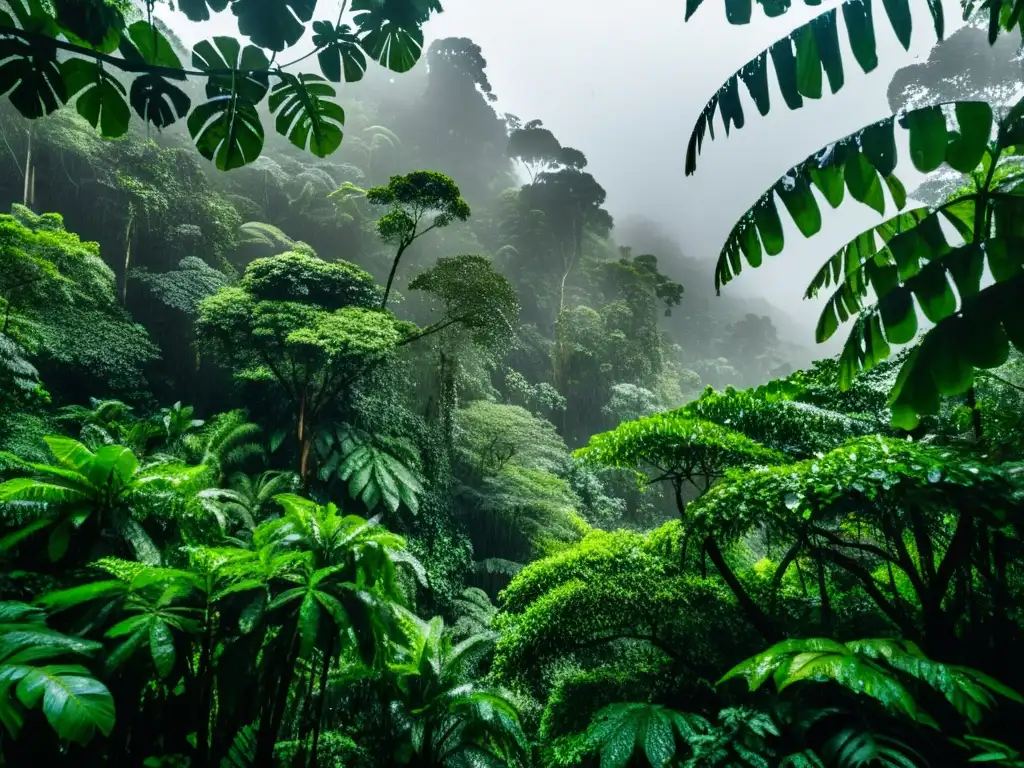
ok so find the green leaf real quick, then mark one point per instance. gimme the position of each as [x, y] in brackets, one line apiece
[199, 10]
[273, 24]
[60, 538]
[897, 190]
[248, 80]
[826, 36]
[755, 77]
[901, 20]
[863, 182]
[738, 11]
[161, 646]
[796, 195]
[153, 46]
[227, 132]
[784, 61]
[396, 43]
[860, 28]
[101, 98]
[74, 704]
[309, 625]
[340, 52]
[31, 77]
[808, 63]
[305, 115]
[878, 143]
[928, 138]
[965, 150]
[158, 101]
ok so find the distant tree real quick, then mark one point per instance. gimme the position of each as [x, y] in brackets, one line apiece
[412, 200]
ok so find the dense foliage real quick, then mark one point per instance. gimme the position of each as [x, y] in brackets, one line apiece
[410, 454]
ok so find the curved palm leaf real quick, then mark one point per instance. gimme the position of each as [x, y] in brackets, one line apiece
[800, 59]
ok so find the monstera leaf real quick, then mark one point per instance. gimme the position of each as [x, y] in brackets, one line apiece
[31, 77]
[158, 101]
[101, 98]
[392, 32]
[273, 24]
[305, 115]
[227, 129]
[339, 52]
[199, 10]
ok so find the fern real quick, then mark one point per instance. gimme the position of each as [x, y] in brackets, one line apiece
[620, 730]
[16, 372]
[880, 669]
[851, 748]
[375, 476]
[227, 441]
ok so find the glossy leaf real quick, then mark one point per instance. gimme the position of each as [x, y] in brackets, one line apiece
[101, 98]
[340, 52]
[305, 115]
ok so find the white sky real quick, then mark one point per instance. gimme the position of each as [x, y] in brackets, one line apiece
[624, 83]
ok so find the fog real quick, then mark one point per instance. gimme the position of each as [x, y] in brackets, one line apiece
[626, 88]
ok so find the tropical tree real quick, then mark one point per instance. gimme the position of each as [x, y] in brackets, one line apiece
[443, 715]
[87, 496]
[104, 38]
[412, 200]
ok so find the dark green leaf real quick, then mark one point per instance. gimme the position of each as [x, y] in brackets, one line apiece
[158, 101]
[901, 20]
[227, 132]
[897, 190]
[927, 138]
[860, 28]
[786, 71]
[305, 115]
[878, 143]
[199, 10]
[830, 182]
[60, 538]
[826, 36]
[248, 81]
[769, 225]
[738, 11]
[974, 120]
[898, 316]
[101, 98]
[273, 24]
[729, 104]
[30, 77]
[395, 41]
[755, 76]
[341, 52]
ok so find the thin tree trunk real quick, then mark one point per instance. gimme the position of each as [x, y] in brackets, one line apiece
[28, 168]
[321, 707]
[127, 252]
[391, 275]
[271, 724]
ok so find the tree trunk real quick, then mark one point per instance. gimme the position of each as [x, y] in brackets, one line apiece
[270, 724]
[127, 252]
[391, 275]
[28, 169]
[303, 438]
[318, 724]
[758, 618]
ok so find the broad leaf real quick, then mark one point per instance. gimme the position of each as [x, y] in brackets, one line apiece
[199, 10]
[30, 77]
[157, 101]
[340, 52]
[101, 98]
[273, 24]
[305, 115]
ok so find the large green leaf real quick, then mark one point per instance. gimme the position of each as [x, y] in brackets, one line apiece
[158, 101]
[199, 10]
[273, 24]
[339, 52]
[305, 115]
[152, 45]
[30, 76]
[247, 78]
[101, 97]
[802, 56]
[391, 32]
[75, 704]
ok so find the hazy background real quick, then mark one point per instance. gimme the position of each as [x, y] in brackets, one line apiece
[625, 87]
